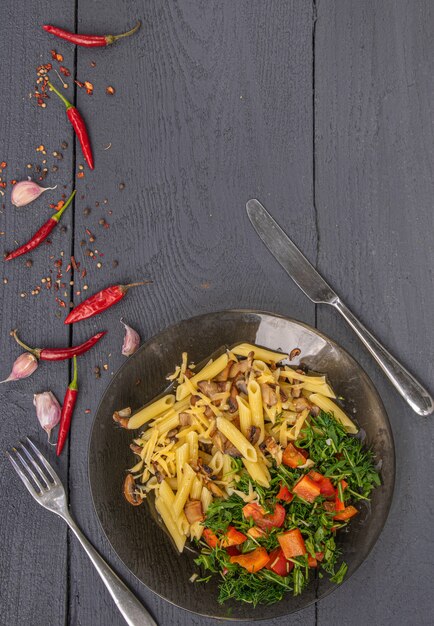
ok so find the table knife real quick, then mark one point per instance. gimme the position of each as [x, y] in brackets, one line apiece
[308, 279]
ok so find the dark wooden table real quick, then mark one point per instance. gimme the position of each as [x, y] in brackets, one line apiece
[323, 110]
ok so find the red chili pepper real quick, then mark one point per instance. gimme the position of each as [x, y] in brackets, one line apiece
[67, 410]
[78, 125]
[42, 233]
[88, 41]
[60, 354]
[100, 301]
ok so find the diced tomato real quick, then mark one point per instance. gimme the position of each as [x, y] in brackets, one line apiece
[264, 521]
[252, 561]
[232, 537]
[256, 532]
[253, 510]
[307, 489]
[284, 494]
[326, 487]
[278, 563]
[316, 476]
[319, 556]
[292, 457]
[311, 561]
[344, 484]
[292, 543]
[210, 538]
[273, 520]
[347, 513]
[232, 550]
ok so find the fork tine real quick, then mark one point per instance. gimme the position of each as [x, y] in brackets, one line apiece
[29, 470]
[23, 477]
[52, 474]
[35, 465]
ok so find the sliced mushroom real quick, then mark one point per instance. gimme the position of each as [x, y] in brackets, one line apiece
[268, 394]
[136, 449]
[301, 404]
[188, 373]
[209, 388]
[231, 450]
[253, 434]
[122, 421]
[274, 449]
[283, 395]
[315, 410]
[215, 489]
[184, 419]
[241, 386]
[294, 353]
[209, 413]
[205, 447]
[159, 472]
[129, 491]
[193, 400]
[224, 374]
[193, 511]
[219, 440]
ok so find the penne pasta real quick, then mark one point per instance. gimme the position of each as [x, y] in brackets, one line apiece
[209, 371]
[163, 510]
[256, 408]
[245, 415]
[183, 489]
[268, 356]
[331, 407]
[236, 438]
[151, 411]
[257, 473]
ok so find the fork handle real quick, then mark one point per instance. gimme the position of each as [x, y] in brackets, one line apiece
[129, 606]
[405, 383]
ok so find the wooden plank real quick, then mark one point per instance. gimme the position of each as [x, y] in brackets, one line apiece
[213, 106]
[33, 566]
[374, 89]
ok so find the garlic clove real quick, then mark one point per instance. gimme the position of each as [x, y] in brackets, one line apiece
[23, 367]
[131, 340]
[26, 191]
[48, 410]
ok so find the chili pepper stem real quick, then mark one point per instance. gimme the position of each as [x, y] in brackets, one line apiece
[73, 383]
[125, 288]
[35, 351]
[61, 96]
[112, 38]
[59, 213]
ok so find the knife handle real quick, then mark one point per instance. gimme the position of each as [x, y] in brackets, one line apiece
[410, 389]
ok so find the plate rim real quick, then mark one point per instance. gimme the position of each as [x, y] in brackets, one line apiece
[326, 338]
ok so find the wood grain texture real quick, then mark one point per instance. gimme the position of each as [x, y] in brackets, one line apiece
[213, 105]
[374, 89]
[33, 545]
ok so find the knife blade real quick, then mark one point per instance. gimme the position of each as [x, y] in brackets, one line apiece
[315, 287]
[293, 261]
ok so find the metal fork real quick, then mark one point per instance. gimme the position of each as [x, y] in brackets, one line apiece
[46, 488]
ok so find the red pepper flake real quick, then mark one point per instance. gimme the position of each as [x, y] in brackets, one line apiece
[68, 267]
[64, 70]
[80, 174]
[83, 273]
[41, 148]
[87, 411]
[74, 263]
[110, 91]
[3, 185]
[61, 303]
[13, 182]
[89, 87]
[3, 164]
[79, 83]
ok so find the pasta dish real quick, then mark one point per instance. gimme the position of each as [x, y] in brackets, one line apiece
[254, 462]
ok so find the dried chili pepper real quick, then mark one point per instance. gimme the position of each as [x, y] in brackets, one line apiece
[67, 410]
[100, 301]
[60, 354]
[42, 233]
[88, 41]
[78, 124]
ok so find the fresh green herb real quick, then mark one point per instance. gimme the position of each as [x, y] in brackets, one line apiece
[337, 456]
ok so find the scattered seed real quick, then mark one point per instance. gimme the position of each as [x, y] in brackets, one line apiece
[5, 281]
[85, 287]
[29, 263]
[110, 90]
[115, 264]
[121, 186]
